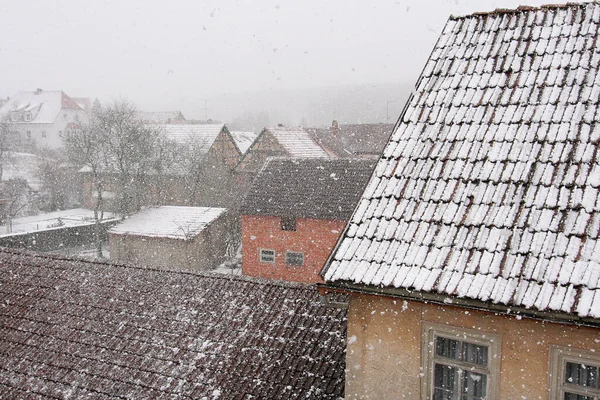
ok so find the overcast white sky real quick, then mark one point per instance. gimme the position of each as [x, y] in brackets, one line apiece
[164, 54]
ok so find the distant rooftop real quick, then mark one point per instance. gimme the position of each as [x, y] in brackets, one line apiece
[41, 106]
[349, 140]
[322, 188]
[204, 134]
[243, 140]
[162, 117]
[297, 142]
[168, 222]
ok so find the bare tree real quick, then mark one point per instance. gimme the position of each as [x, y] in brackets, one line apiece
[7, 138]
[130, 148]
[14, 195]
[85, 148]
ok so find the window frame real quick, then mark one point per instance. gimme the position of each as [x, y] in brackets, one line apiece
[288, 224]
[287, 252]
[558, 357]
[260, 256]
[430, 331]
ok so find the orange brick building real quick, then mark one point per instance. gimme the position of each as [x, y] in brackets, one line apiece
[294, 213]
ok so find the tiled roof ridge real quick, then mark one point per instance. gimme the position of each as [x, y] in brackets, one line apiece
[523, 8]
[205, 274]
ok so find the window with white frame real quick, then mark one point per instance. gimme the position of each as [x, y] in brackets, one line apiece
[574, 374]
[295, 258]
[460, 364]
[267, 255]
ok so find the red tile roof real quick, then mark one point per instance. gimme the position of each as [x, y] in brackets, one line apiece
[73, 329]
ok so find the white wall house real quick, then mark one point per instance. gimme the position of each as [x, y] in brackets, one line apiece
[42, 117]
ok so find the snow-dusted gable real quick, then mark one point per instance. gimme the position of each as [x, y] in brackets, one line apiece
[243, 140]
[297, 142]
[488, 187]
[205, 134]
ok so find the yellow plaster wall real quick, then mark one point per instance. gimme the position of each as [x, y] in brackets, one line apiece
[384, 347]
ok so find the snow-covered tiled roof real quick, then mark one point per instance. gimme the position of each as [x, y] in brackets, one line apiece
[243, 140]
[488, 187]
[168, 221]
[297, 142]
[73, 329]
[161, 117]
[43, 105]
[183, 133]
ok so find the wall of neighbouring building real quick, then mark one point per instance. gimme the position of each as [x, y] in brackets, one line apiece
[315, 238]
[383, 358]
[204, 252]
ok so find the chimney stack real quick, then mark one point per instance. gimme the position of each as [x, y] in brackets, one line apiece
[38, 91]
[335, 128]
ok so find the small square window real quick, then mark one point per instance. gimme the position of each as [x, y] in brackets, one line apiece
[294, 258]
[460, 363]
[267, 256]
[574, 374]
[288, 223]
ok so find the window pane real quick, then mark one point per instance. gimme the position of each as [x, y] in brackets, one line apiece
[475, 354]
[573, 396]
[474, 385]
[582, 375]
[440, 394]
[445, 377]
[448, 348]
[294, 258]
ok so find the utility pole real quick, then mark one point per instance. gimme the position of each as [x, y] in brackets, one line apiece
[387, 110]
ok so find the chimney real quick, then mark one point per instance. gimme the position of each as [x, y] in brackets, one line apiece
[38, 91]
[280, 125]
[335, 128]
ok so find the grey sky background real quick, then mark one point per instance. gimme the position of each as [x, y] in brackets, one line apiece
[167, 55]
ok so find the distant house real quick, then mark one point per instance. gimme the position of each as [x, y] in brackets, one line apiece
[80, 329]
[169, 237]
[473, 258]
[40, 118]
[352, 140]
[278, 142]
[162, 117]
[243, 140]
[294, 213]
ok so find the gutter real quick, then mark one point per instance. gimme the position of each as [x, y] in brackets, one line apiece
[326, 289]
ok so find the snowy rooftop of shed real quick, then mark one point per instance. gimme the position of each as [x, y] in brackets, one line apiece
[168, 222]
[204, 134]
[80, 329]
[297, 142]
[488, 187]
[243, 140]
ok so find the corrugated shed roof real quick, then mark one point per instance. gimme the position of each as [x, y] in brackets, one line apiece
[488, 188]
[74, 329]
[308, 188]
[349, 140]
[172, 222]
[297, 142]
[202, 133]
[243, 140]
[43, 105]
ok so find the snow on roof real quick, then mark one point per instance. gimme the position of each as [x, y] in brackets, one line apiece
[44, 105]
[168, 222]
[243, 140]
[81, 329]
[297, 142]
[350, 140]
[488, 188]
[182, 133]
[161, 117]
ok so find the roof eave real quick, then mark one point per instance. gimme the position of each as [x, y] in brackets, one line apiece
[450, 301]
